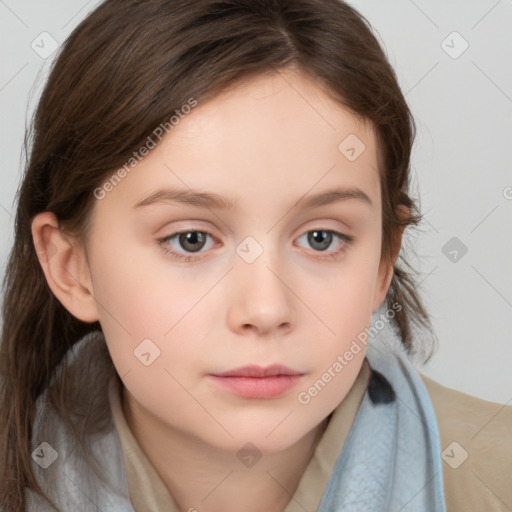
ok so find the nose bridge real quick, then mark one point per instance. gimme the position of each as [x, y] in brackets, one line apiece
[259, 262]
[263, 299]
[263, 256]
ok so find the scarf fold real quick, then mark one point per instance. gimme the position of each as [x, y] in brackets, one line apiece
[391, 460]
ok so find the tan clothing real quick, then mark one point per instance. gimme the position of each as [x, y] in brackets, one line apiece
[482, 481]
[482, 432]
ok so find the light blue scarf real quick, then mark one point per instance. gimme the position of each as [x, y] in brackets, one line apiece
[391, 459]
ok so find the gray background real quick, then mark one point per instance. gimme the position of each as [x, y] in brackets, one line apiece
[462, 103]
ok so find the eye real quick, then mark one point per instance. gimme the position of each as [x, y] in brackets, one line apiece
[191, 241]
[183, 244]
[321, 240]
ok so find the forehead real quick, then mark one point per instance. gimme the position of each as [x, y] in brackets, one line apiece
[262, 139]
[278, 107]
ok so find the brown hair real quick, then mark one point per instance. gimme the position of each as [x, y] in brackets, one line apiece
[121, 73]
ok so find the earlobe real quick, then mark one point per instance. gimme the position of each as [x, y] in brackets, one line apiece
[65, 267]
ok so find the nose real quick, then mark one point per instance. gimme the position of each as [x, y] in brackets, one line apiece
[262, 300]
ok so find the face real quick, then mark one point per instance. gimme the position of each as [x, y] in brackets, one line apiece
[259, 278]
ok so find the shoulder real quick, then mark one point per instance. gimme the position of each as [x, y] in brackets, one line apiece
[476, 444]
[74, 435]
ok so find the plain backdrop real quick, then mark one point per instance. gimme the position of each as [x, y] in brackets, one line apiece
[451, 61]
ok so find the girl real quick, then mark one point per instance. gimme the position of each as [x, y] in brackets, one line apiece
[212, 211]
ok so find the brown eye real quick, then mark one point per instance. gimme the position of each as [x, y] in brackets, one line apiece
[192, 241]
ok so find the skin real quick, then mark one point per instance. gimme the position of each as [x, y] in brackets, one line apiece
[264, 143]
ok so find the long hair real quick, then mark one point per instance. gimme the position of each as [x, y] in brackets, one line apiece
[121, 73]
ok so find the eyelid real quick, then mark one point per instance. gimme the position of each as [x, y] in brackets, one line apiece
[326, 224]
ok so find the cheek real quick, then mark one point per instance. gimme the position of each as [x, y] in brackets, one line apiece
[130, 302]
[345, 293]
[348, 313]
[340, 352]
[344, 302]
[151, 314]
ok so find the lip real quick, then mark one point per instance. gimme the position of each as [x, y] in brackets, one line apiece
[259, 371]
[258, 382]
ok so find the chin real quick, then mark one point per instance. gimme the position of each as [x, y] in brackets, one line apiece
[266, 439]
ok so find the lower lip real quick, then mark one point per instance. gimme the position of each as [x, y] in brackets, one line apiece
[258, 387]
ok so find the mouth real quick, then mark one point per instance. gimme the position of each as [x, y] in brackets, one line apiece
[258, 382]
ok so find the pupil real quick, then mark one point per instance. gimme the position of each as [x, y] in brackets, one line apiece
[321, 237]
[190, 239]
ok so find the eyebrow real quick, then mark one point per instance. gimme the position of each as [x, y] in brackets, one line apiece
[213, 201]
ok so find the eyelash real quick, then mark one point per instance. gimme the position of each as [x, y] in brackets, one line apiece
[345, 240]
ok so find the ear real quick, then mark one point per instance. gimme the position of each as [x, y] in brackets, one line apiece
[386, 268]
[65, 267]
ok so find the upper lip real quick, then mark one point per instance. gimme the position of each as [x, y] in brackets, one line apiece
[259, 371]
